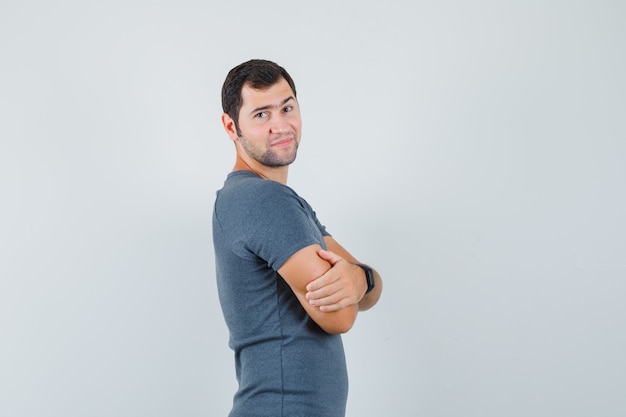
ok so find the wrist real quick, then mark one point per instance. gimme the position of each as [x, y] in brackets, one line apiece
[369, 277]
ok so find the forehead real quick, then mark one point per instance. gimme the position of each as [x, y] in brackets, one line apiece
[272, 95]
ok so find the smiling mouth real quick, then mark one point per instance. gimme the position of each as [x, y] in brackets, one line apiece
[282, 142]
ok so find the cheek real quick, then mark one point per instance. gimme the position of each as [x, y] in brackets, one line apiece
[256, 135]
[251, 129]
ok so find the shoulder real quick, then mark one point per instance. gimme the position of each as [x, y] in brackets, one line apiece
[246, 198]
[242, 187]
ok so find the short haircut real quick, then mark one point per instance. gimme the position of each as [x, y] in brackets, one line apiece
[258, 74]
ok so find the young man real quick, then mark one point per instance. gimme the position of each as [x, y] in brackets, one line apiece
[286, 287]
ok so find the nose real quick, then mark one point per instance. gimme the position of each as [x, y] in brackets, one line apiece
[279, 126]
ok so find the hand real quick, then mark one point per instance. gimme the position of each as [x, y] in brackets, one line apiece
[342, 285]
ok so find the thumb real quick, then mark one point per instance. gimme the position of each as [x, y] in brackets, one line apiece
[329, 256]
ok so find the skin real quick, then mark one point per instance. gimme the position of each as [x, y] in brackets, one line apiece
[270, 126]
[326, 282]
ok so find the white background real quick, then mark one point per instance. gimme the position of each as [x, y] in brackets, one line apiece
[473, 152]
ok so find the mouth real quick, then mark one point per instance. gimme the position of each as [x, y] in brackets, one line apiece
[282, 142]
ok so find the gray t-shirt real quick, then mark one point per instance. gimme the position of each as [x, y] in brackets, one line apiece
[286, 365]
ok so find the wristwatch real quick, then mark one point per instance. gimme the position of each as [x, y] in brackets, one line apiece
[369, 276]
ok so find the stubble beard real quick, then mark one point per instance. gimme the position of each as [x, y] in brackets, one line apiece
[270, 157]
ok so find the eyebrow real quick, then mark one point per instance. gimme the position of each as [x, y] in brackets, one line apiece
[272, 106]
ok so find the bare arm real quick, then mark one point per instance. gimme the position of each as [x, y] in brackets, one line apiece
[344, 284]
[300, 269]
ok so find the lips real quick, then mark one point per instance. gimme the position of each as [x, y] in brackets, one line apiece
[282, 142]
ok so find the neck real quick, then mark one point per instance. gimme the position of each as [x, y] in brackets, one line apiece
[278, 174]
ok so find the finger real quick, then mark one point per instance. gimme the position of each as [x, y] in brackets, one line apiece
[317, 284]
[328, 278]
[329, 256]
[325, 301]
[323, 291]
[331, 303]
[334, 307]
[340, 304]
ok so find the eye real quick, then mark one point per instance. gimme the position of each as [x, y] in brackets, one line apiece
[261, 115]
[288, 109]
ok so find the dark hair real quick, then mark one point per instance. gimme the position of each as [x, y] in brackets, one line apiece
[259, 74]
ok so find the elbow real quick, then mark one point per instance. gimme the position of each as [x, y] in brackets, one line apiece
[341, 322]
[337, 329]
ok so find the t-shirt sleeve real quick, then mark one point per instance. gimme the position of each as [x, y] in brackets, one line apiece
[279, 224]
[319, 225]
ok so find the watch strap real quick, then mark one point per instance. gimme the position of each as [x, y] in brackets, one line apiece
[369, 277]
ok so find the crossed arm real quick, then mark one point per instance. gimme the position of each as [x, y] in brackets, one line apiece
[329, 285]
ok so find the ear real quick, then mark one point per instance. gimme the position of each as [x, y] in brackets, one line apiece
[229, 127]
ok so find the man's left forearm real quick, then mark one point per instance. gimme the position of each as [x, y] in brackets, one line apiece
[371, 298]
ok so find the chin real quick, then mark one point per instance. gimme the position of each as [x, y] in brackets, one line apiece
[274, 161]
